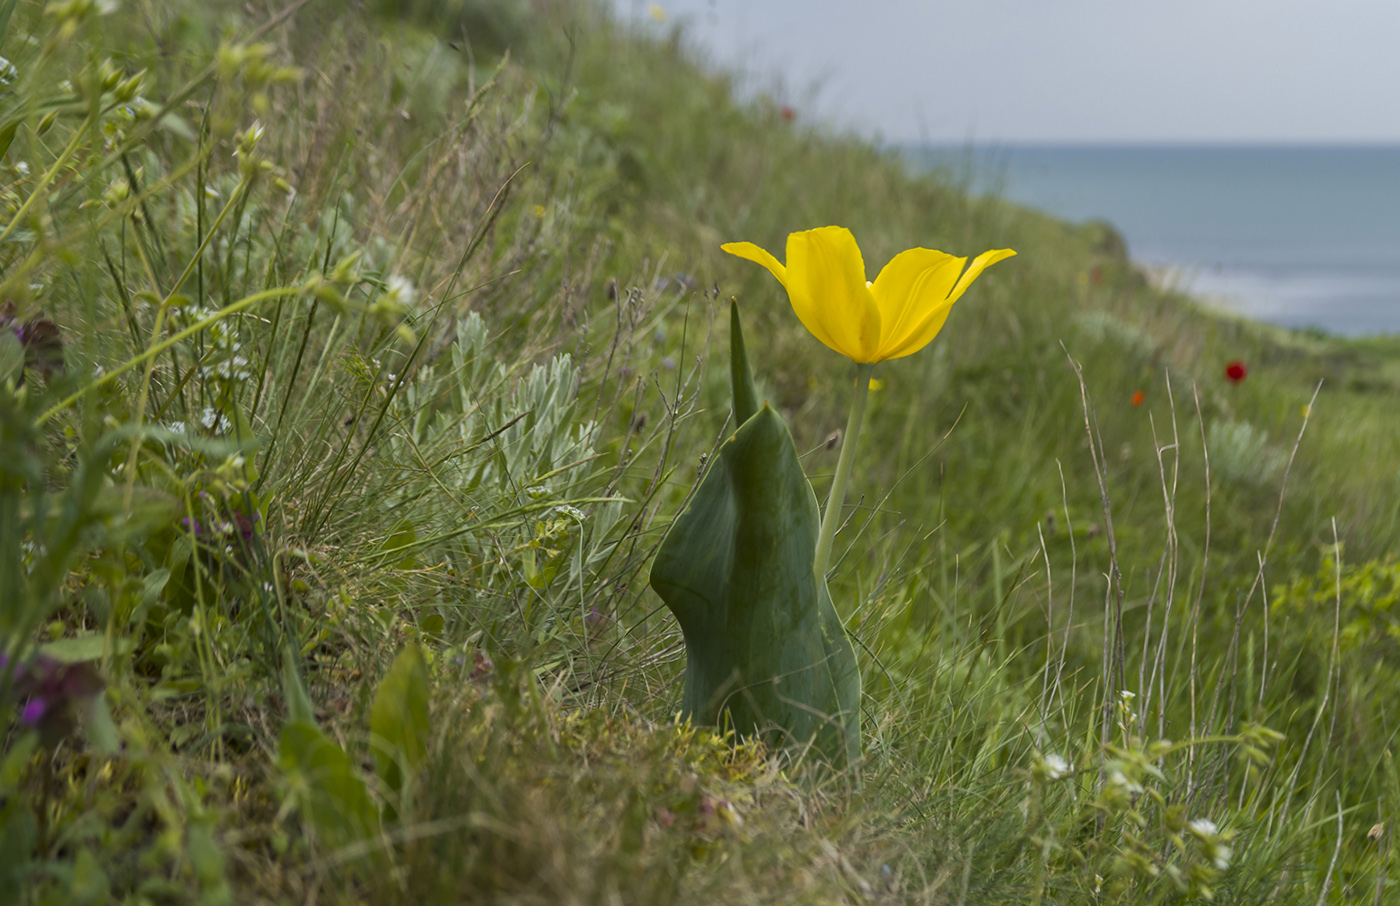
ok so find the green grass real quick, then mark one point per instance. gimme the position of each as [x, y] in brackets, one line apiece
[430, 362]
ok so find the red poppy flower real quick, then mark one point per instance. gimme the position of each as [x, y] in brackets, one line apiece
[1138, 397]
[1236, 371]
[787, 113]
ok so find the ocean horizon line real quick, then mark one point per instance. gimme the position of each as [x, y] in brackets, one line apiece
[1300, 235]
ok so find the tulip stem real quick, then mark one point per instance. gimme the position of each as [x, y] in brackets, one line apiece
[831, 519]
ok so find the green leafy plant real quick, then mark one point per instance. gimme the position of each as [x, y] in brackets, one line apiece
[398, 722]
[765, 649]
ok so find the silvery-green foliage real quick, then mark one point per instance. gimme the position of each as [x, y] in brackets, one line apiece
[512, 489]
[1102, 327]
[1241, 452]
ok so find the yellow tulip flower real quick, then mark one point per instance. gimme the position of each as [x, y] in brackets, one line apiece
[895, 316]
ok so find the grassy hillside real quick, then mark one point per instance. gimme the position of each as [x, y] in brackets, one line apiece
[336, 334]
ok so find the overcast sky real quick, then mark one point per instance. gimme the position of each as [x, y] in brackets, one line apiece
[991, 71]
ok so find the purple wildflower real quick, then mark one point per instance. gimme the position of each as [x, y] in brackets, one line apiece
[53, 692]
[43, 350]
[481, 668]
[33, 712]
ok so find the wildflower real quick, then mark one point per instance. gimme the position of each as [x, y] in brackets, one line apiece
[1214, 845]
[1118, 779]
[1236, 371]
[52, 692]
[1050, 767]
[656, 12]
[38, 336]
[214, 420]
[401, 290]
[895, 316]
[482, 668]
[1138, 397]
[572, 512]
[787, 113]
[33, 712]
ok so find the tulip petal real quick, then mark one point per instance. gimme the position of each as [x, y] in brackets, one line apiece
[908, 288]
[922, 333]
[932, 321]
[979, 264]
[826, 283]
[761, 256]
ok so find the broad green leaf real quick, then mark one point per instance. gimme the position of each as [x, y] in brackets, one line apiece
[294, 691]
[15, 760]
[6, 8]
[403, 542]
[178, 127]
[86, 647]
[328, 787]
[398, 719]
[11, 356]
[765, 648]
[17, 837]
[151, 588]
[99, 728]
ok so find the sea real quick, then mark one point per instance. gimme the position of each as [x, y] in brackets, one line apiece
[1303, 236]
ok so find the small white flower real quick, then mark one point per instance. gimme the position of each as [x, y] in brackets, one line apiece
[1213, 845]
[235, 369]
[213, 419]
[401, 291]
[1055, 767]
[1120, 780]
[22, 168]
[1127, 695]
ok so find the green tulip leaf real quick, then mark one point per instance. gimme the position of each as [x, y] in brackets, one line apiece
[765, 649]
[740, 377]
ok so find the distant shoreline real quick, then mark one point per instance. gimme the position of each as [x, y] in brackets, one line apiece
[1298, 235]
